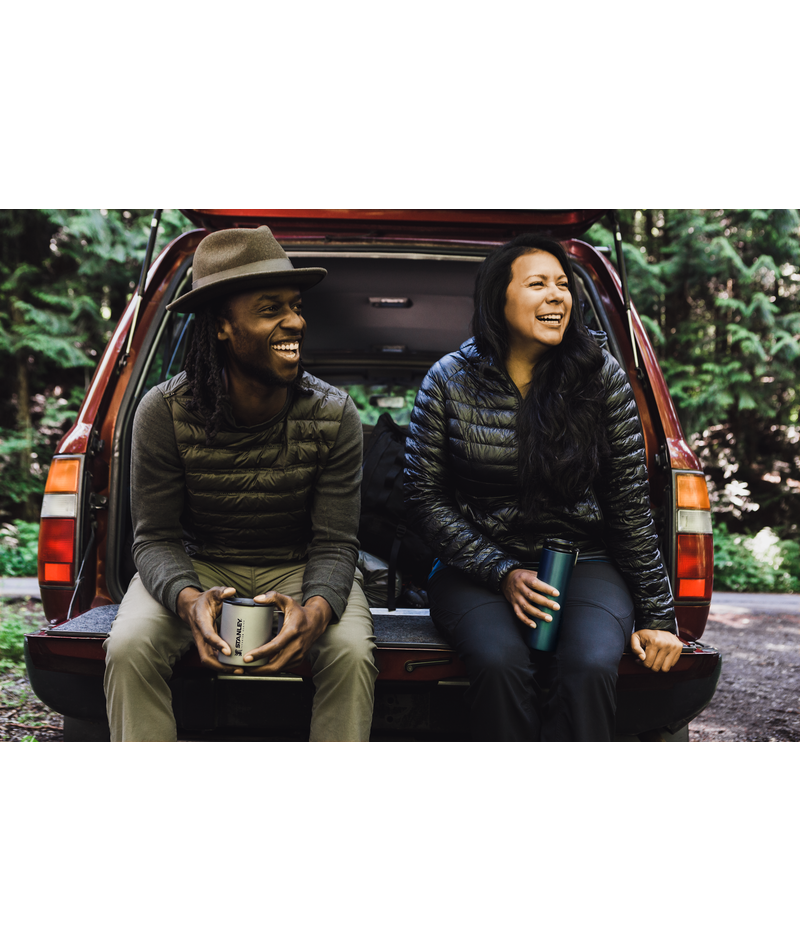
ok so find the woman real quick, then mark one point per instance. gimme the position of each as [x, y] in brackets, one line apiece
[530, 431]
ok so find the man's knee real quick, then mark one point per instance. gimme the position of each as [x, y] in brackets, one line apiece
[348, 646]
[132, 653]
[128, 644]
[353, 645]
[145, 641]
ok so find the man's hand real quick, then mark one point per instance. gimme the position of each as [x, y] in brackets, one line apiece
[302, 626]
[657, 649]
[522, 589]
[200, 610]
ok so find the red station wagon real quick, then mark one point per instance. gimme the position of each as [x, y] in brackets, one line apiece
[398, 296]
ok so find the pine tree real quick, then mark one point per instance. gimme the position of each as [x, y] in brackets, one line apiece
[63, 276]
[718, 292]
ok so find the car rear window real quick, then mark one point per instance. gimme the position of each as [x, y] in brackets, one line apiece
[373, 400]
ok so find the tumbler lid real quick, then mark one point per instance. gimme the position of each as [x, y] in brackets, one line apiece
[560, 545]
[243, 602]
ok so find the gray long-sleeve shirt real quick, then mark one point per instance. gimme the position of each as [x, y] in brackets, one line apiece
[158, 486]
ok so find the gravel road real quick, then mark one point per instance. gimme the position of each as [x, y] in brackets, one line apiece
[758, 696]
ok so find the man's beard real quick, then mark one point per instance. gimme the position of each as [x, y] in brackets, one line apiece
[267, 377]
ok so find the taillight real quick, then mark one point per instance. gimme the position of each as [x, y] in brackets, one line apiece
[58, 527]
[694, 546]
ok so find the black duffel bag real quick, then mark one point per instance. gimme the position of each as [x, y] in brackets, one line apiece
[383, 530]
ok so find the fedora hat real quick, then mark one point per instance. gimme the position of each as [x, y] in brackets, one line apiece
[238, 259]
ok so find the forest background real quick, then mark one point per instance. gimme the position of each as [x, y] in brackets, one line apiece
[717, 289]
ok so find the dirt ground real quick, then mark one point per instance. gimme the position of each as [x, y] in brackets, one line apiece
[758, 696]
[22, 717]
[757, 699]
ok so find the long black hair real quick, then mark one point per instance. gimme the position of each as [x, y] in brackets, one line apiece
[560, 427]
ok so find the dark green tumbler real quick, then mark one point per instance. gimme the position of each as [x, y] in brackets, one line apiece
[555, 568]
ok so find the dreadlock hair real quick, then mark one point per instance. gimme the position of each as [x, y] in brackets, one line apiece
[560, 426]
[203, 365]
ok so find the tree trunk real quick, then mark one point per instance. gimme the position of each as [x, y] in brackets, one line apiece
[24, 426]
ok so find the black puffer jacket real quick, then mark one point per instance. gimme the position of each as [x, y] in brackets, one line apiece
[462, 484]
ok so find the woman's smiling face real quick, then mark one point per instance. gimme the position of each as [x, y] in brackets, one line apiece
[538, 305]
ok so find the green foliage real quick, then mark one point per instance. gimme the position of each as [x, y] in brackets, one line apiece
[19, 543]
[721, 287]
[50, 334]
[50, 413]
[373, 401]
[12, 634]
[16, 619]
[758, 563]
[64, 274]
[718, 291]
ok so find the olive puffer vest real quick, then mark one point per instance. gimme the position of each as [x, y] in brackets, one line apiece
[463, 484]
[251, 489]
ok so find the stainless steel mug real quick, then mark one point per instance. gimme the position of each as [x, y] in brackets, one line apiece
[555, 568]
[244, 625]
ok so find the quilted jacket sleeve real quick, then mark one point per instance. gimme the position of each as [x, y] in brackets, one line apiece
[430, 501]
[158, 482]
[624, 495]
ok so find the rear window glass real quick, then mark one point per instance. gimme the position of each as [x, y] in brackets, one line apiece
[167, 360]
[373, 400]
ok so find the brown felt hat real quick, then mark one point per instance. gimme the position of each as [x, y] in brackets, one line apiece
[238, 259]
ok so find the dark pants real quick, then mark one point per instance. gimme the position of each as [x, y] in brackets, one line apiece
[521, 695]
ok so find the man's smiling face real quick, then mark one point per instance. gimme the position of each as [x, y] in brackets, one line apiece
[262, 332]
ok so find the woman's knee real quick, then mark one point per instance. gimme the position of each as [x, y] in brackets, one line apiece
[491, 639]
[592, 641]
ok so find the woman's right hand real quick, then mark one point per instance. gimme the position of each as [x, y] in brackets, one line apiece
[526, 594]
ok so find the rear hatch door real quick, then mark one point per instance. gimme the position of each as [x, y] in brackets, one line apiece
[495, 226]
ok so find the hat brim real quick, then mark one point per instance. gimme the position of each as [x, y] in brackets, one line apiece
[300, 277]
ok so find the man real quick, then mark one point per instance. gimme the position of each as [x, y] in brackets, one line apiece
[245, 480]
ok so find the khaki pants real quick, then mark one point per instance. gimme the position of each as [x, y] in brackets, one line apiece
[146, 640]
